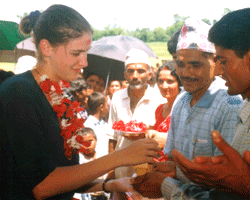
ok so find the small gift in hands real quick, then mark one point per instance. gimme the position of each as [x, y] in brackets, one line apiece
[131, 130]
[143, 169]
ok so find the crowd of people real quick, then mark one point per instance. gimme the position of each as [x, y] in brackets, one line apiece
[56, 121]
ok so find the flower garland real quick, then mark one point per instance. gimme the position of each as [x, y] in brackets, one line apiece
[71, 126]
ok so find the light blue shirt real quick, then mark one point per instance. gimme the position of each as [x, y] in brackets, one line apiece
[181, 190]
[221, 113]
[191, 127]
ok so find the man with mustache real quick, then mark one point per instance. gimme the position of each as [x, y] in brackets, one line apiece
[136, 102]
[204, 106]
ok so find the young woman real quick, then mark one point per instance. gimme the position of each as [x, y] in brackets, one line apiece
[169, 85]
[39, 127]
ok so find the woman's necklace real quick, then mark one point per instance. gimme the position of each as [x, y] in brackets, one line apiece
[66, 110]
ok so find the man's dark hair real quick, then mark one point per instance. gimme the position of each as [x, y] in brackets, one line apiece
[233, 32]
[95, 100]
[172, 43]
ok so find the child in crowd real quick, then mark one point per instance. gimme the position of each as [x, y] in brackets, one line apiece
[98, 108]
[80, 91]
[90, 154]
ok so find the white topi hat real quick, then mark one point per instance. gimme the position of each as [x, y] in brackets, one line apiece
[137, 56]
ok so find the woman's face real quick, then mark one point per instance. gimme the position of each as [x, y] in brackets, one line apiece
[67, 60]
[113, 87]
[168, 84]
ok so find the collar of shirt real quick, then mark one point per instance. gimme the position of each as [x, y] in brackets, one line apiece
[94, 120]
[244, 111]
[147, 95]
[208, 98]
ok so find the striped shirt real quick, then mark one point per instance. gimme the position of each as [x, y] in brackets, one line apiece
[241, 141]
[191, 127]
[182, 189]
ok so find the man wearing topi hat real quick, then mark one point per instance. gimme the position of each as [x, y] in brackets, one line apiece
[204, 106]
[136, 102]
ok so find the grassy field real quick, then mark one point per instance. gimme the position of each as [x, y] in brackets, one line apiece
[160, 49]
[7, 66]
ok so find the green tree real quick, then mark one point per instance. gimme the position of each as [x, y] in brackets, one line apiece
[144, 34]
[207, 21]
[113, 30]
[160, 34]
[178, 22]
[98, 34]
[23, 15]
[226, 10]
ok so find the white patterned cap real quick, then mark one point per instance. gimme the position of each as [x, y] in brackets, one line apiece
[194, 35]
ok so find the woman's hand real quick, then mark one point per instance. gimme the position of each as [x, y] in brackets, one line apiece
[158, 136]
[119, 185]
[141, 151]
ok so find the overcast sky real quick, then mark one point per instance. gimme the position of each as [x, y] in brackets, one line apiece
[129, 14]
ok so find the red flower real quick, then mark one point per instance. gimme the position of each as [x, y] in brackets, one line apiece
[86, 144]
[46, 86]
[131, 126]
[66, 134]
[57, 87]
[79, 139]
[119, 125]
[60, 110]
[66, 84]
[67, 150]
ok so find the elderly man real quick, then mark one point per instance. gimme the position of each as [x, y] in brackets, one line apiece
[136, 102]
[203, 107]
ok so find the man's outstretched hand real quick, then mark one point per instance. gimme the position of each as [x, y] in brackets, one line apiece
[229, 172]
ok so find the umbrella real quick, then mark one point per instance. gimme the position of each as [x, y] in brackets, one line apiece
[27, 44]
[107, 55]
[9, 35]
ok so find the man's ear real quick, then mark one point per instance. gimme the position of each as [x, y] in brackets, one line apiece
[248, 58]
[150, 74]
[46, 47]
[101, 107]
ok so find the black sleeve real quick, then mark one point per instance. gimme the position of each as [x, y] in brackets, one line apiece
[23, 140]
